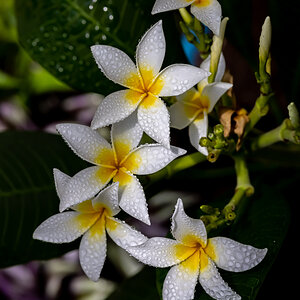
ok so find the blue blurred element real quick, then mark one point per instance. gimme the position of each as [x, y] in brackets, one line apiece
[190, 51]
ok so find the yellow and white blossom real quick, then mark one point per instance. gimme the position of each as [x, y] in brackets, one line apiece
[145, 84]
[208, 12]
[194, 257]
[118, 162]
[91, 220]
[192, 107]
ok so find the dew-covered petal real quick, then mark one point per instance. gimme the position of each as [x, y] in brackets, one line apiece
[64, 227]
[132, 197]
[163, 5]
[150, 52]
[209, 15]
[161, 252]
[198, 129]
[153, 117]
[234, 256]
[188, 231]
[84, 185]
[84, 141]
[126, 135]
[205, 65]
[84, 207]
[178, 78]
[181, 279]
[116, 65]
[116, 107]
[124, 235]
[60, 180]
[214, 91]
[92, 250]
[182, 115]
[108, 199]
[150, 158]
[212, 282]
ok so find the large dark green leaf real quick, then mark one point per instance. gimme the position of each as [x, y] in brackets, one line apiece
[27, 193]
[58, 34]
[264, 226]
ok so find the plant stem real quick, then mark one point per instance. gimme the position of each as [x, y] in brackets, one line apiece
[176, 166]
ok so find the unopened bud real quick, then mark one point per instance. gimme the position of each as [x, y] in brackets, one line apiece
[204, 142]
[219, 130]
[265, 41]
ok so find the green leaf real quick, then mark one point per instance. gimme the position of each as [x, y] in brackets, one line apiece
[264, 225]
[27, 193]
[58, 34]
[140, 286]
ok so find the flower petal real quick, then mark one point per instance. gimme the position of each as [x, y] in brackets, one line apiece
[84, 185]
[209, 15]
[153, 117]
[116, 107]
[150, 53]
[84, 141]
[234, 256]
[108, 198]
[212, 282]
[182, 115]
[181, 280]
[64, 227]
[60, 179]
[198, 129]
[163, 5]
[187, 230]
[178, 78]
[122, 234]
[132, 198]
[150, 158]
[126, 135]
[161, 252]
[214, 91]
[205, 65]
[92, 250]
[116, 65]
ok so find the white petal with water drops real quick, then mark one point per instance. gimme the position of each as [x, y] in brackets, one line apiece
[152, 158]
[155, 121]
[166, 5]
[198, 129]
[183, 226]
[92, 251]
[213, 284]
[209, 15]
[133, 200]
[179, 78]
[116, 107]
[114, 63]
[84, 141]
[234, 256]
[151, 50]
[61, 228]
[60, 179]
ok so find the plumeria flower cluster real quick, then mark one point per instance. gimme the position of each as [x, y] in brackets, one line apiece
[193, 257]
[94, 195]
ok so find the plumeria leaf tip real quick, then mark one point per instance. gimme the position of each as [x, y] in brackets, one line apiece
[193, 257]
[144, 83]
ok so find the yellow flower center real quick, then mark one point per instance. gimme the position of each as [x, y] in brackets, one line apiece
[202, 3]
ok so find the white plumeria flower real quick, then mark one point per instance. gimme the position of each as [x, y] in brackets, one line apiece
[192, 107]
[206, 11]
[92, 219]
[145, 84]
[193, 256]
[118, 162]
